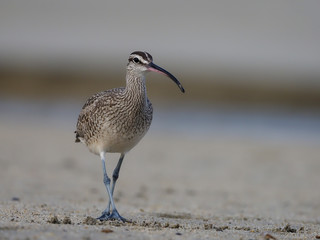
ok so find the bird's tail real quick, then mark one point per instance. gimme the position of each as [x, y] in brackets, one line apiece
[77, 136]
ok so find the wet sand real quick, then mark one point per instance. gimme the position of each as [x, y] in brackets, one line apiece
[171, 186]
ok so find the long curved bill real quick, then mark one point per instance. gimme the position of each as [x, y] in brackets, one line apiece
[155, 68]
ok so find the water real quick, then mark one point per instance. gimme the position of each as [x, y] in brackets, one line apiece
[242, 122]
[190, 121]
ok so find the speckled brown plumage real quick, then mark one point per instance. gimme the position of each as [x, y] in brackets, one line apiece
[117, 115]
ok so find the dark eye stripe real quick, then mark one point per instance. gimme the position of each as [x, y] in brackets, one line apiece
[144, 55]
[137, 59]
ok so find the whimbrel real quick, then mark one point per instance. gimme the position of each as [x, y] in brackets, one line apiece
[116, 120]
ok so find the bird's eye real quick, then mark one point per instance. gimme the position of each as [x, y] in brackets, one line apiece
[136, 60]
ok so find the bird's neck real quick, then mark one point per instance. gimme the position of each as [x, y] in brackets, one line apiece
[136, 89]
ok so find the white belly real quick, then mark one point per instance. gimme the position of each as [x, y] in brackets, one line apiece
[115, 143]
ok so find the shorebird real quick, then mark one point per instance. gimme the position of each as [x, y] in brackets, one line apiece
[115, 120]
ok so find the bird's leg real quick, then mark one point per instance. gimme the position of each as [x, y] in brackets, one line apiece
[106, 181]
[115, 177]
[106, 215]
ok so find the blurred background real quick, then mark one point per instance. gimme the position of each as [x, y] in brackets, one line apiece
[247, 66]
[251, 70]
[244, 138]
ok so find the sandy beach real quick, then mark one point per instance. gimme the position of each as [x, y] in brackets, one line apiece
[235, 157]
[173, 185]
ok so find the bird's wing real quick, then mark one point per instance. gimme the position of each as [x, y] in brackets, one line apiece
[93, 110]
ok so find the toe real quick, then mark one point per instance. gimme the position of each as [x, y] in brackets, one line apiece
[116, 216]
[104, 216]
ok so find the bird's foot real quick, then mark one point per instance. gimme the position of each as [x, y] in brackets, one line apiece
[104, 216]
[114, 215]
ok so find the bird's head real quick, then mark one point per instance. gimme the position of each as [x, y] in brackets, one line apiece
[141, 62]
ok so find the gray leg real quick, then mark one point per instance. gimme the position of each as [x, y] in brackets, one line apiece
[115, 177]
[106, 215]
